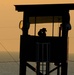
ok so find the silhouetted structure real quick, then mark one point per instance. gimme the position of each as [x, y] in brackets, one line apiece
[47, 49]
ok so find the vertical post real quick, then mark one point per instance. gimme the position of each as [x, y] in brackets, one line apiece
[35, 27]
[65, 21]
[42, 58]
[38, 68]
[53, 27]
[48, 59]
[38, 62]
[26, 24]
[23, 60]
[64, 68]
[60, 31]
[58, 70]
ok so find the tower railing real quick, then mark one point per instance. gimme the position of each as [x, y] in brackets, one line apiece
[43, 65]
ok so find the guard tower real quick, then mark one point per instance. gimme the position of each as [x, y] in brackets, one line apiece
[45, 49]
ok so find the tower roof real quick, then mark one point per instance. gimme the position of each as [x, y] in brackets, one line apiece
[45, 9]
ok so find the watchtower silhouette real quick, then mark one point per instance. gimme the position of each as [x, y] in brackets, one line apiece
[45, 49]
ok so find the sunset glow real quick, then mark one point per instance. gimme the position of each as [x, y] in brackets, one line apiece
[10, 18]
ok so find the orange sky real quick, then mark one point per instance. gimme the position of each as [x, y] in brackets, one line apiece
[9, 22]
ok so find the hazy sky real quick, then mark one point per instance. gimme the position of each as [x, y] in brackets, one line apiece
[9, 22]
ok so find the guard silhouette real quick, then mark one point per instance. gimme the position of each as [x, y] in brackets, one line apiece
[42, 32]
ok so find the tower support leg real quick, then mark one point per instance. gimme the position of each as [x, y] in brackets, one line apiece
[47, 68]
[22, 67]
[23, 64]
[38, 68]
[64, 68]
[58, 70]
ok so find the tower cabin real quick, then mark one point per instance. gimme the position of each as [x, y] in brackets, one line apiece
[42, 48]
